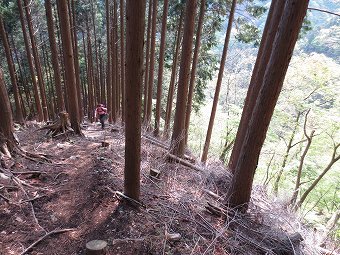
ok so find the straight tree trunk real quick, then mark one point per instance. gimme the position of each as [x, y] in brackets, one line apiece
[147, 58]
[219, 83]
[268, 36]
[37, 62]
[285, 39]
[76, 61]
[122, 57]
[6, 119]
[46, 75]
[54, 56]
[101, 74]
[96, 86]
[173, 77]
[86, 75]
[135, 16]
[178, 134]
[69, 65]
[193, 70]
[108, 67]
[116, 59]
[90, 78]
[160, 69]
[21, 80]
[18, 107]
[152, 63]
[30, 63]
[113, 69]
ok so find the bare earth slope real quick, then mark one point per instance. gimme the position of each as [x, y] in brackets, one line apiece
[77, 192]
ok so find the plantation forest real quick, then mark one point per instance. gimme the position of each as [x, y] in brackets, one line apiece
[171, 127]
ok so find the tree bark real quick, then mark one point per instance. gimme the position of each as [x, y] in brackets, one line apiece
[108, 67]
[268, 36]
[6, 123]
[18, 105]
[76, 61]
[285, 39]
[152, 64]
[173, 77]
[54, 56]
[178, 139]
[135, 16]
[193, 70]
[219, 83]
[90, 79]
[122, 57]
[160, 69]
[69, 65]
[37, 62]
[30, 63]
[147, 58]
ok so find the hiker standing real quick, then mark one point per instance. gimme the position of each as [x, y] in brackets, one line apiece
[101, 113]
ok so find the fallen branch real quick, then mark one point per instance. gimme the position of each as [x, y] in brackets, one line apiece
[7, 199]
[45, 236]
[125, 196]
[185, 163]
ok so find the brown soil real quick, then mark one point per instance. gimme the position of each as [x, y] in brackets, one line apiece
[74, 192]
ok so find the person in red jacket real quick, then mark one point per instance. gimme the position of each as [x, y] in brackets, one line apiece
[101, 113]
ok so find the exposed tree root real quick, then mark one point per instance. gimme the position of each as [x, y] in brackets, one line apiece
[61, 126]
[56, 231]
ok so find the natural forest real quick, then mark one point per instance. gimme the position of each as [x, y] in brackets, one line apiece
[169, 127]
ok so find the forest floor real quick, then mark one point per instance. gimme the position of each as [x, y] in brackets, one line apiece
[79, 192]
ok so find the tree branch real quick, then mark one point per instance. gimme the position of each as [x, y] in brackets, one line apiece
[325, 11]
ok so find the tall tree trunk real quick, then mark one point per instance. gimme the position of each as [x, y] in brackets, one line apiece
[160, 69]
[108, 67]
[122, 57]
[116, 53]
[147, 58]
[96, 86]
[37, 62]
[69, 65]
[285, 39]
[6, 120]
[48, 78]
[152, 63]
[173, 77]
[76, 61]
[178, 139]
[219, 83]
[193, 70]
[268, 36]
[90, 78]
[101, 74]
[135, 15]
[54, 56]
[30, 63]
[113, 69]
[21, 79]
[18, 107]
[86, 75]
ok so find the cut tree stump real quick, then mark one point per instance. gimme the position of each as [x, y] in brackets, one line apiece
[96, 247]
[60, 126]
